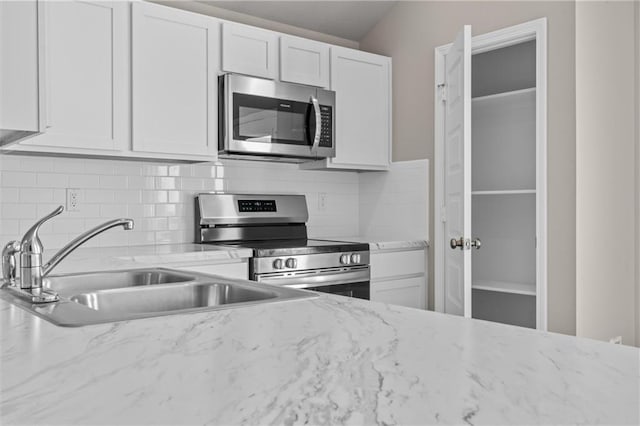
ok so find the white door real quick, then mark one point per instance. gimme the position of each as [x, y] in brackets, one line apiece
[249, 50]
[174, 81]
[361, 81]
[304, 61]
[457, 175]
[86, 48]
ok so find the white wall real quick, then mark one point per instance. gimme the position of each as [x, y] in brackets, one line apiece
[409, 34]
[638, 174]
[606, 218]
[158, 196]
[394, 204]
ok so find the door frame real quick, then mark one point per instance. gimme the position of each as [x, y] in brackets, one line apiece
[536, 29]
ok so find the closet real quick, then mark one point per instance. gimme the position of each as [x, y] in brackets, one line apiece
[491, 176]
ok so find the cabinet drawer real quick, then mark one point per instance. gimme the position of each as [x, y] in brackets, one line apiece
[227, 270]
[408, 292]
[397, 263]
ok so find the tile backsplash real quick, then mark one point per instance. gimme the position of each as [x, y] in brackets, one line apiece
[158, 196]
[394, 205]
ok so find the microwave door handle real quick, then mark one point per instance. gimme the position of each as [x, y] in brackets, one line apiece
[316, 137]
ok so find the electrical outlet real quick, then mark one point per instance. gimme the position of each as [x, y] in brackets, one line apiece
[73, 199]
[616, 340]
[322, 201]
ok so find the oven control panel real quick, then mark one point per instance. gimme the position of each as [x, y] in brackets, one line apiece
[245, 206]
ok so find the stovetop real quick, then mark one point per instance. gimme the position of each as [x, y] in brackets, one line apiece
[267, 248]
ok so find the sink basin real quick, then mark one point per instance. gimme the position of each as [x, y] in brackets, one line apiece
[75, 283]
[173, 298]
[103, 297]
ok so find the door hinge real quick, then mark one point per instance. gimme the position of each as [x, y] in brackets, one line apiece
[443, 92]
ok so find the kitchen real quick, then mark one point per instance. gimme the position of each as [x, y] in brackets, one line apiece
[342, 204]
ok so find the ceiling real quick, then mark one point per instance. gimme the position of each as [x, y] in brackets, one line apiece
[347, 19]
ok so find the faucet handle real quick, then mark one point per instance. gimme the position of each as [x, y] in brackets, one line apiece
[31, 242]
[9, 264]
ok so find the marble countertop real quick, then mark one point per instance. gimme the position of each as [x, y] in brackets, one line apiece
[377, 243]
[108, 258]
[328, 360]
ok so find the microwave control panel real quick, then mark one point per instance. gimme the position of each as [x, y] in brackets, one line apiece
[326, 112]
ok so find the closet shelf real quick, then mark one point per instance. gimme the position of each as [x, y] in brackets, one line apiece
[504, 94]
[527, 289]
[505, 192]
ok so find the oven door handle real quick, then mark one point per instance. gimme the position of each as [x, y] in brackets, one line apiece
[318, 279]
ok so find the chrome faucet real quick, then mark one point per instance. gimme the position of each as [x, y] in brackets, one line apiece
[32, 271]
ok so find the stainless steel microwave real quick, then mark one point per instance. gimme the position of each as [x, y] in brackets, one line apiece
[269, 119]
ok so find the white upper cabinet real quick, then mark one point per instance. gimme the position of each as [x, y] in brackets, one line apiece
[86, 62]
[362, 82]
[21, 106]
[175, 60]
[249, 50]
[304, 61]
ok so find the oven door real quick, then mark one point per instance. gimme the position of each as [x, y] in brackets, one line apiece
[351, 282]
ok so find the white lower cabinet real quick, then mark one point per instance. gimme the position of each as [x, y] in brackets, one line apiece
[175, 60]
[236, 270]
[399, 278]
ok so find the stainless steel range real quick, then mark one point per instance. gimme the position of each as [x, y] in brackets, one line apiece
[274, 227]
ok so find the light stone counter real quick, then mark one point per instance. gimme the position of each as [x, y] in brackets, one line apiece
[328, 360]
[109, 258]
[377, 244]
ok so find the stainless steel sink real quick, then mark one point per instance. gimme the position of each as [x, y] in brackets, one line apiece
[67, 285]
[103, 297]
[173, 298]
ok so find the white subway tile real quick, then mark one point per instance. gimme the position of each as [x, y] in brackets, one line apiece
[18, 179]
[84, 181]
[10, 162]
[141, 182]
[99, 196]
[36, 195]
[165, 210]
[113, 182]
[113, 211]
[52, 180]
[128, 196]
[99, 167]
[166, 183]
[154, 224]
[41, 164]
[10, 227]
[9, 195]
[18, 211]
[157, 197]
[69, 165]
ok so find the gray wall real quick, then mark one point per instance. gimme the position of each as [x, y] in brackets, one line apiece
[410, 32]
[242, 18]
[605, 187]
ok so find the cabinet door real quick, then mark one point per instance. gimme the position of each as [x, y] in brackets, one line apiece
[228, 270]
[174, 81]
[362, 82]
[86, 55]
[410, 292]
[249, 50]
[21, 106]
[304, 61]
